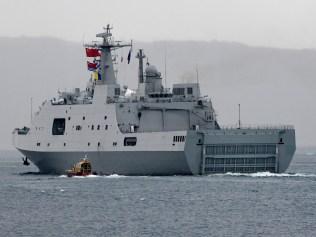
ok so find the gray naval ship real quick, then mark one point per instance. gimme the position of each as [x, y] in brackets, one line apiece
[153, 131]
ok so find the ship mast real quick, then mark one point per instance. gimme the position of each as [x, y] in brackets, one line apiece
[140, 57]
[106, 69]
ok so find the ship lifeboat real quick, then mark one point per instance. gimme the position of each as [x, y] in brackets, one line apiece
[82, 168]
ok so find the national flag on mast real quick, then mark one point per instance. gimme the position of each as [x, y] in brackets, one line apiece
[95, 76]
[92, 52]
[92, 66]
[129, 55]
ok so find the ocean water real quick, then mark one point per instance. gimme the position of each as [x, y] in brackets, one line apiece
[260, 204]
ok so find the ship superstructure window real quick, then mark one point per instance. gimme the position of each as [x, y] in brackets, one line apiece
[106, 127]
[189, 90]
[178, 138]
[117, 91]
[92, 127]
[98, 127]
[59, 125]
[130, 141]
[178, 91]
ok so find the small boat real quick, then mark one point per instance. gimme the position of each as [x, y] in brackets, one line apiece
[82, 168]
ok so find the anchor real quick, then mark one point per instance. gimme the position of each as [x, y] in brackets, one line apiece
[25, 161]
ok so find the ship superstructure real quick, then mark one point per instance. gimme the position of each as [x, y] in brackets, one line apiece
[152, 131]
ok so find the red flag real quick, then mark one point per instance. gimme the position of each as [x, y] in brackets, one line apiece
[92, 66]
[92, 52]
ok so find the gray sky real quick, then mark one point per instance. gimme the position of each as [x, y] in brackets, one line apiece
[275, 23]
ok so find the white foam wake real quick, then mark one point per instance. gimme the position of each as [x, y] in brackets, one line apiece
[113, 176]
[267, 174]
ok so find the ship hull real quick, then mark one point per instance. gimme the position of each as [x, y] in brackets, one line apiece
[204, 152]
[106, 163]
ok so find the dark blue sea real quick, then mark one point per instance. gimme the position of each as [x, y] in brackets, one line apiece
[260, 204]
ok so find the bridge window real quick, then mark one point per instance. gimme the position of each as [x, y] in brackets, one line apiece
[189, 91]
[59, 125]
[130, 141]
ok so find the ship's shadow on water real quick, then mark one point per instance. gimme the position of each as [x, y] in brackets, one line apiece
[31, 173]
[36, 174]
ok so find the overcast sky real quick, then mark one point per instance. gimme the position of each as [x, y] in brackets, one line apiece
[272, 23]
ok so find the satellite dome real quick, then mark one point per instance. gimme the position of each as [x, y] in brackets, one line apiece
[152, 71]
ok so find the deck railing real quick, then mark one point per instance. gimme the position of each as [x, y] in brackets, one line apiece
[258, 127]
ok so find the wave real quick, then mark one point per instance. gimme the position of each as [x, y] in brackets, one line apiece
[267, 174]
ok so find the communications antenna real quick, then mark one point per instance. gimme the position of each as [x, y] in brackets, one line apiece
[239, 122]
[165, 65]
[197, 74]
[31, 101]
